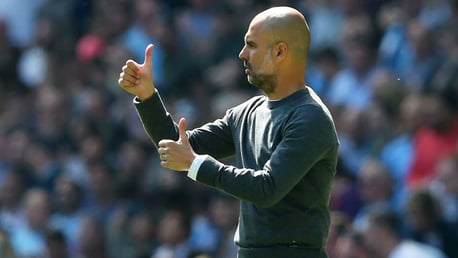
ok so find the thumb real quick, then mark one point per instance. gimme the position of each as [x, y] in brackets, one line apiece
[148, 62]
[183, 137]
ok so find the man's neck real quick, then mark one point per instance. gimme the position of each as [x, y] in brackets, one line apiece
[283, 92]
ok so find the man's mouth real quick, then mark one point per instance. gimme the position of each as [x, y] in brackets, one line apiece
[247, 68]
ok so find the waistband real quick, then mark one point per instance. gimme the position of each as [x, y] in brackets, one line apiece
[280, 252]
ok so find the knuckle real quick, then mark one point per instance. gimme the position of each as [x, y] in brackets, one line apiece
[124, 83]
[164, 143]
[121, 82]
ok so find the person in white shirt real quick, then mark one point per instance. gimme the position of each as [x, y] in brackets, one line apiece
[383, 237]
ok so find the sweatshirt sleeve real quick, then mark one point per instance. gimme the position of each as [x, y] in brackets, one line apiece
[308, 137]
[157, 122]
[214, 138]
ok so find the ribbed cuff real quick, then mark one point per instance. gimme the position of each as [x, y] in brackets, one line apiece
[195, 165]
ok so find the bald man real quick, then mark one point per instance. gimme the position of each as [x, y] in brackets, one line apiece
[284, 142]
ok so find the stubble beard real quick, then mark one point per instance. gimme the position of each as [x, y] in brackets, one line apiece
[266, 82]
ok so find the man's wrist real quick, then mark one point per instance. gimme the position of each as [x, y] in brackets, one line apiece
[195, 165]
[146, 96]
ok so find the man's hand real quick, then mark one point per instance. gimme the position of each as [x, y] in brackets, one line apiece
[177, 155]
[137, 79]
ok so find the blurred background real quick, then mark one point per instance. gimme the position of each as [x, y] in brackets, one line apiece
[79, 178]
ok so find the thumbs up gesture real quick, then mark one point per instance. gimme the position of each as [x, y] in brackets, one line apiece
[136, 78]
[177, 155]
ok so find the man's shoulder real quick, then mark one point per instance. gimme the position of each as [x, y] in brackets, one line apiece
[254, 101]
[315, 103]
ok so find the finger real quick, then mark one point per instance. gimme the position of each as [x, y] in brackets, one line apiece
[126, 69]
[164, 164]
[148, 62]
[128, 78]
[183, 137]
[165, 143]
[162, 150]
[124, 83]
[164, 157]
[132, 65]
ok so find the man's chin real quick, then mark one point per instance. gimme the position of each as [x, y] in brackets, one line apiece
[253, 82]
[266, 83]
[250, 79]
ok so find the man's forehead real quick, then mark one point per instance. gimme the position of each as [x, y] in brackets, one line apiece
[253, 29]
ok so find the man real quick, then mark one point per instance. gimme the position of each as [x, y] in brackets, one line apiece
[56, 244]
[383, 238]
[285, 144]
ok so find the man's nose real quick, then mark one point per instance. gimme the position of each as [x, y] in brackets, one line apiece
[242, 54]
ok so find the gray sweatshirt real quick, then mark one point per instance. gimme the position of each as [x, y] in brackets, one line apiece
[285, 161]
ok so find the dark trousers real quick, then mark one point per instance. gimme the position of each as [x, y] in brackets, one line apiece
[280, 252]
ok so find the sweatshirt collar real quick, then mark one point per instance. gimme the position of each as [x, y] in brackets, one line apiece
[291, 98]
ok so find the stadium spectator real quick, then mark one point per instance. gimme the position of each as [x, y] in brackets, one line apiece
[29, 239]
[93, 240]
[173, 234]
[383, 237]
[426, 224]
[437, 139]
[68, 216]
[56, 245]
[447, 177]
[375, 186]
[6, 250]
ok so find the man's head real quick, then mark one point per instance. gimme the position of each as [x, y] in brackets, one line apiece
[56, 245]
[375, 182]
[383, 232]
[37, 208]
[423, 210]
[447, 174]
[439, 114]
[276, 42]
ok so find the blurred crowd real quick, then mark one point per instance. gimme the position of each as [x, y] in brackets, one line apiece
[79, 178]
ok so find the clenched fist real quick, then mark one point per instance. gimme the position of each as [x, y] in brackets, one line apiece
[177, 155]
[136, 78]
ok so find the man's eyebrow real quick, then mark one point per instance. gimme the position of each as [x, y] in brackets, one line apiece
[250, 42]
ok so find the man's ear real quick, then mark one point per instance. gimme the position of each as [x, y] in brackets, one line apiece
[281, 50]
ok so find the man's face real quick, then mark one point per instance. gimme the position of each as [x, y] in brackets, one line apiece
[257, 57]
[372, 234]
[448, 175]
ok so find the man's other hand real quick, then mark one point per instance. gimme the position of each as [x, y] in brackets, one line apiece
[177, 155]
